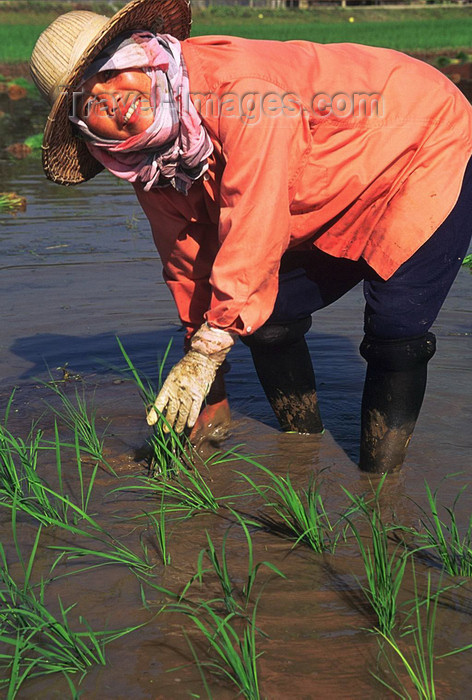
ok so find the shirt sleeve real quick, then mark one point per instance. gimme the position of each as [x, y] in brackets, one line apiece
[264, 149]
[187, 242]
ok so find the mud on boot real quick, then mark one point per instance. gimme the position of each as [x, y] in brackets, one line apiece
[283, 365]
[394, 388]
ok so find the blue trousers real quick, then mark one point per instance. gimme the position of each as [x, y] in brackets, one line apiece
[404, 306]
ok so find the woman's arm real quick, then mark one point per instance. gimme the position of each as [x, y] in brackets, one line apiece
[187, 242]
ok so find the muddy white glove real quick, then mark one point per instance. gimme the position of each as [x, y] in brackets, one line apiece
[189, 381]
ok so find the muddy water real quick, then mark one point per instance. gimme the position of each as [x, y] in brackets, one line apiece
[78, 268]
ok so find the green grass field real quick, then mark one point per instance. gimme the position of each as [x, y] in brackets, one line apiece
[428, 29]
[421, 35]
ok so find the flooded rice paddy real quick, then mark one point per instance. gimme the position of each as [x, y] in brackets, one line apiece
[78, 269]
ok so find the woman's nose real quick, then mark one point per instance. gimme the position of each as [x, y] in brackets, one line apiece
[114, 103]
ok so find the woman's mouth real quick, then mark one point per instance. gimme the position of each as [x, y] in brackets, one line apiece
[132, 110]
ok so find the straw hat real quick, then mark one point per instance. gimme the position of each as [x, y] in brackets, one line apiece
[63, 52]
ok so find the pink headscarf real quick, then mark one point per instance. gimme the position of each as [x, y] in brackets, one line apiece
[175, 148]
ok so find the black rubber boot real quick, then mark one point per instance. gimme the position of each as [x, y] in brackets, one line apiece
[283, 365]
[393, 394]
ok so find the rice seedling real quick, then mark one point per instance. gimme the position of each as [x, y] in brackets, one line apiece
[252, 568]
[34, 640]
[418, 662]
[20, 482]
[190, 491]
[187, 492]
[117, 553]
[234, 654]
[159, 527]
[302, 512]
[85, 491]
[220, 568]
[173, 459]
[452, 546]
[235, 599]
[414, 648]
[114, 552]
[81, 421]
[167, 449]
[467, 262]
[384, 569]
[169, 452]
[10, 202]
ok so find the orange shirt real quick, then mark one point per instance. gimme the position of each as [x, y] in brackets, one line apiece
[356, 150]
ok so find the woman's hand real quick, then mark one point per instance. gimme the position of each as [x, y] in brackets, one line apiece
[190, 380]
[183, 391]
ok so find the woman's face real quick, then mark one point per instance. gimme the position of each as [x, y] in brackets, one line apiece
[116, 104]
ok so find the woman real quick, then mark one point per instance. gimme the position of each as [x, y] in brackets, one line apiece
[275, 176]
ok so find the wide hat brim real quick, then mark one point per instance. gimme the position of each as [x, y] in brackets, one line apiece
[66, 159]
